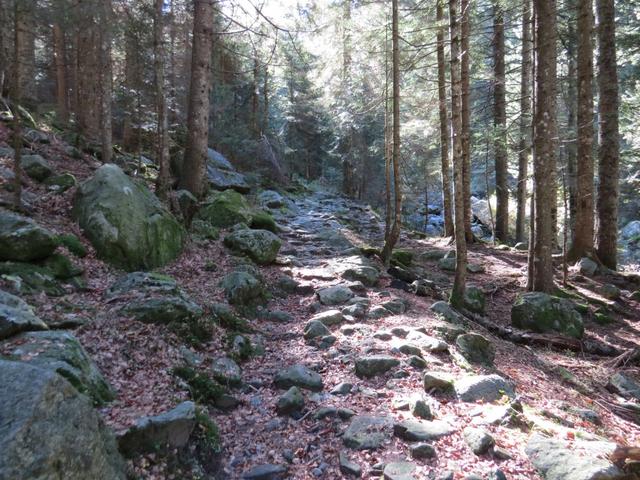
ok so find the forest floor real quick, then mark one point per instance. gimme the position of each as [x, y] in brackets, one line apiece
[317, 230]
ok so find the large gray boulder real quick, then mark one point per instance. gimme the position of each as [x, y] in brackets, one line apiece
[261, 246]
[222, 175]
[61, 352]
[557, 460]
[36, 167]
[482, 388]
[126, 223]
[225, 209]
[242, 289]
[476, 349]
[16, 316]
[540, 312]
[50, 431]
[22, 239]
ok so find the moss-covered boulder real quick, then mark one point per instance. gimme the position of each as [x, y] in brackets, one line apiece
[242, 289]
[402, 257]
[146, 282]
[17, 316]
[225, 209]
[263, 221]
[73, 244]
[474, 299]
[540, 312]
[61, 352]
[22, 239]
[126, 223]
[61, 183]
[28, 279]
[261, 246]
[162, 309]
[61, 266]
[36, 167]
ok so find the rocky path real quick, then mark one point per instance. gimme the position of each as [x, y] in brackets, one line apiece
[366, 380]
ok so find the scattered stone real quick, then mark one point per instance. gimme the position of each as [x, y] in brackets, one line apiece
[262, 246]
[446, 311]
[497, 474]
[348, 467]
[126, 223]
[587, 267]
[610, 292]
[226, 371]
[367, 432]
[501, 454]
[479, 441]
[476, 348]
[36, 167]
[373, 365]
[396, 306]
[624, 385]
[23, 240]
[290, 402]
[271, 199]
[422, 450]
[329, 318]
[541, 313]
[417, 362]
[266, 472]
[147, 282]
[277, 316]
[475, 268]
[61, 183]
[421, 430]
[299, 376]
[162, 309]
[343, 388]
[335, 295]
[436, 381]
[367, 275]
[474, 299]
[485, 388]
[49, 429]
[163, 432]
[325, 412]
[242, 288]
[378, 312]
[399, 471]
[421, 409]
[61, 352]
[400, 332]
[521, 246]
[315, 329]
[426, 342]
[345, 413]
[558, 460]
[383, 335]
[447, 264]
[17, 316]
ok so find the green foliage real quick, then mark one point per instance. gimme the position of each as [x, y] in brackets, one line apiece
[207, 431]
[229, 321]
[263, 221]
[402, 258]
[194, 332]
[202, 388]
[73, 244]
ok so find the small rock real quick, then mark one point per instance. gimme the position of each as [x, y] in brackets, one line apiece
[587, 267]
[314, 329]
[299, 376]
[348, 467]
[422, 450]
[335, 295]
[418, 430]
[437, 381]
[343, 388]
[226, 371]
[290, 402]
[486, 388]
[421, 409]
[382, 335]
[399, 471]
[367, 432]
[266, 472]
[624, 385]
[372, 365]
[476, 348]
[378, 312]
[479, 441]
[610, 292]
[417, 362]
[329, 318]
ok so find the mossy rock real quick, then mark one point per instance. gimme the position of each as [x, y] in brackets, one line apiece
[262, 246]
[203, 389]
[28, 279]
[228, 320]
[263, 221]
[61, 183]
[126, 223]
[22, 239]
[61, 267]
[225, 209]
[73, 244]
[402, 257]
[474, 299]
[540, 312]
[205, 231]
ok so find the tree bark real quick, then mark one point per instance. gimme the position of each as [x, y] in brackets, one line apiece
[545, 144]
[106, 82]
[524, 146]
[61, 73]
[571, 152]
[4, 49]
[163, 182]
[457, 292]
[582, 239]
[193, 171]
[465, 74]
[16, 93]
[500, 126]
[394, 233]
[444, 124]
[608, 152]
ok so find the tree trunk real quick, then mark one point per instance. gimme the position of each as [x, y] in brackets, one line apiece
[131, 85]
[394, 234]
[570, 150]
[465, 6]
[193, 170]
[457, 293]
[26, 54]
[608, 152]
[444, 124]
[106, 82]
[61, 74]
[16, 94]
[265, 101]
[500, 126]
[348, 179]
[4, 48]
[582, 239]
[545, 144]
[164, 180]
[524, 147]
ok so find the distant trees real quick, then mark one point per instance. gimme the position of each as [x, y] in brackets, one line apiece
[500, 125]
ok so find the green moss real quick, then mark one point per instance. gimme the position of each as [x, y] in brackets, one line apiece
[204, 230]
[402, 257]
[228, 320]
[263, 221]
[225, 209]
[73, 244]
[61, 267]
[369, 251]
[239, 346]
[207, 431]
[194, 332]
[28, 279]
[202, 388]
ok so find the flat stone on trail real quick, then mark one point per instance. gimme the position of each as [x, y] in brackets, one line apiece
[476, 348]
[335, 295]
[266, 472]
[486, 388]
[329, 318]
[348, 467]
[580, 460]
[372, 365]
[422, 430]
[624, 385]
[437, 381]
[479, 441]
[314, 329]
[343, 388]
[17, 316]
[399, 471]
[422, 450]
[226, 371]
[367, 432]
[299, 376]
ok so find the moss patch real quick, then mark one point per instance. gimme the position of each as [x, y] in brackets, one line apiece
[202, 388]
[73, 244]
[263, 221]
